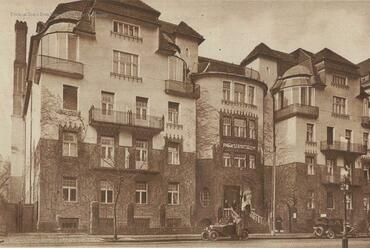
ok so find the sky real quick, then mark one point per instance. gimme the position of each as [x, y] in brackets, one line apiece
[232, 28]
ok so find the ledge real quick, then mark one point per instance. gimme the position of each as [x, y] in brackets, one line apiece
[126, 77]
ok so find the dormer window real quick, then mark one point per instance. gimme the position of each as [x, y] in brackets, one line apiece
[125, 29]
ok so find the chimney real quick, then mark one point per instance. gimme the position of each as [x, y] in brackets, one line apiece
[20, 64]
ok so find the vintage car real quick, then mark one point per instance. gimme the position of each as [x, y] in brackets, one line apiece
[330, 228]
[214, 232]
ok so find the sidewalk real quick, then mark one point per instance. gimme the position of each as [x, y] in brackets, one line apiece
[82, 238]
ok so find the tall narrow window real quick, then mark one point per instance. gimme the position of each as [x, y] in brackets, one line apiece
[205, 197]
[365, 139]
[239, 93]
[69, 144]
[173, 112]
[141, 154]
[311, 200]
[252, 161]
[69, 189]
[125, 64]
[107, 151]
[107, 103]
[250, 95]
[67, 46]
[240, 128]
[226, 90]
[366, 201]
[173, 153]
[306, 96]
[252, 129]
[69, 97]
[348, 135]
[106, 192]
[310, 160]
[141, 108]
[226, 126]
[349, 201]
[330, 163]
[309, 133]
[173, 194]
[366, 173]
[329, 200]
[177, 69]
[226, 159]
[141, 193]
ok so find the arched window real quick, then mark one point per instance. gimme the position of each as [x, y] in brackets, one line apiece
[205, 197]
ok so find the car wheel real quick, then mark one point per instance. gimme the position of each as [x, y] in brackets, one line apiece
[330, 234]
[245, 235]
[213, 235]
[204, 235]
[318, 232]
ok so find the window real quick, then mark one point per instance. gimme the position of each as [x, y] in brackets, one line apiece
[69, 97]
[329, 200]
[252, 129]
[240, 128]
[107, 151]
[339, 105]
[173, 112]
[205, 197]
[226, 126]
[366, 201]
[141, 193]
[176, 69]
[311, 200]
[107, 103]
[339, 80]
[141, 108]
[70, 224]
[141, 154]
[250, 99]
[330, 163]
[365, 139]
[69, 144]
[306, 96]
[366, 173]
[310, 160]
[226, 91]
[67, 46]
[349, 200]
[239, 160]
[226, 159]
[239, 93]
[125, 29]
[69, 189]
[348, 135]
[173, 153]
[125, 64]
[173, 194]
[106, 192]
[309, 133]
[252, 161]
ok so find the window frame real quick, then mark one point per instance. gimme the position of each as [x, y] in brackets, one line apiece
[239, 96]
[172, 193]
[104, 158]
[310, 133]
[226, 126]
[142, 108]
[77, 93]
[75, 141]
[69, 189]
[311, 162]
[226, 92]
[141, 192]
[173, 156]
[142, 152]
[339, 105]
[205, 197]
[331, 205]
[106, 188]
[173, 113]
[240, 131]
[311, 199]
[138, 36]
[120, 63]
[226, 159]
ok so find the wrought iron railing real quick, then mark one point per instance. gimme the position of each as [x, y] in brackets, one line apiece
[343, 147]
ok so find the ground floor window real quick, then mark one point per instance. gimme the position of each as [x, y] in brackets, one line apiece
[226, 159]
[69, 189]
[330, 200]
[106, 192]
[311, 200]
[205, 197]
[367, 202]
[141, 194]
[173, 194]
[68, 223]
[349, 201]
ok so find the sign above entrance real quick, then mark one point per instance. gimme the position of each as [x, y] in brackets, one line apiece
[238, 146]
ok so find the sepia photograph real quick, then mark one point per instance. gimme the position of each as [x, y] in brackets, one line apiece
[185, 123]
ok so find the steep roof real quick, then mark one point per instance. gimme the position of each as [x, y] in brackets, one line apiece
[135, 3]
[182, 28]
[327, 54]
[222, 66]
[364, 67]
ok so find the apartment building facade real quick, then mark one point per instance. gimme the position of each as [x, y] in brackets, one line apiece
[318, 110]
[110, 110]
[229, 140]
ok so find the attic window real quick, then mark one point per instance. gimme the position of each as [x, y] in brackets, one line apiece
[339, 80]
[126, 30]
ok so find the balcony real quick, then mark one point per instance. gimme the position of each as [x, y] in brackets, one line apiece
[130, 167]
[344, 147]
[62, 67]
[365, 122]
[356, 179]
[182, 89]
[125, 120]
[297, 109]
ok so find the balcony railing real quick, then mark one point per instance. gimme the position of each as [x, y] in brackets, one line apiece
[183, 89]
[131, 166]
[338, 146]
[297, 109]
[126, 119]
[365, 121]
[59, 66]
[355, 179]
